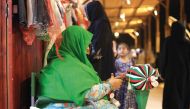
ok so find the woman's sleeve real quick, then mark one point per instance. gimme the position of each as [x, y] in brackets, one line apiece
[98, 91]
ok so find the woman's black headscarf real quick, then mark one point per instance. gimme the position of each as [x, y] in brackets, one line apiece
[101, 41]
[95, 11]
[178, 31]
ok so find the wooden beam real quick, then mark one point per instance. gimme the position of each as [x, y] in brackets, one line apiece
[128, 17]
[135, 11]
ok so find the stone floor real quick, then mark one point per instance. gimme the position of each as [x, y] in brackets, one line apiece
[155, 98]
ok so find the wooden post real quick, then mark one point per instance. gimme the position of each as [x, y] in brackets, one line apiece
[158, 31]
[167, 28]
[182, 11]
[3, 56]
[10, 54]
[136, 42]
[145, 41]
[149, 34]
[149, 41]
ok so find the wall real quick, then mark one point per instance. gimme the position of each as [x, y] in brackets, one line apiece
[17, 61]
[25, 59]
[3, 80]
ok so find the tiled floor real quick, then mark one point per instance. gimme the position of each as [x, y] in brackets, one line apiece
[155, 98]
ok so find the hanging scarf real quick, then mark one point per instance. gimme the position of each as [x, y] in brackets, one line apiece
[69, 79]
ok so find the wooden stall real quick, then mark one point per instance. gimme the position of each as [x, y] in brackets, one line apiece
[17, 61]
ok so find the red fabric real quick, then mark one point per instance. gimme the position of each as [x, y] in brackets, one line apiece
[28, 35]
[65, 20]
[57, 46]
[81, 19]
[54, 29]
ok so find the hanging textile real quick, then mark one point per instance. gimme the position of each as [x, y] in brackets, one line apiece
[46, 19]
[34, 19]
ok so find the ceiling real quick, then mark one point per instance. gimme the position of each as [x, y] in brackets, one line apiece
[132, 12]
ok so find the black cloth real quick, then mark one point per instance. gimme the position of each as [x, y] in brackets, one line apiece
[175, 69]
[101, 55]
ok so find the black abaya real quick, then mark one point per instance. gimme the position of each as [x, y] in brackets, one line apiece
[101, 55]
[175, 69]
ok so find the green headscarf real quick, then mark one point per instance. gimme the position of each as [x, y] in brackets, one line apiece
[69, 79]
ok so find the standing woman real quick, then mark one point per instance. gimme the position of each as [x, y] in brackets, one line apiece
[101, 55]
[175, 69]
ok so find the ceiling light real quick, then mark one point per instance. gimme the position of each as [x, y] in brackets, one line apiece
[139, 21]
[155, 12]
[116, 24]
[122, 16]
[136, 33]
[128, 2]
[150, 8]
[116, 34]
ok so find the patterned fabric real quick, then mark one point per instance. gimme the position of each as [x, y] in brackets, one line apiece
[121, 94]
[95, 94]
[130, 100]
[98, 91]
[101, 104]
[122, 67]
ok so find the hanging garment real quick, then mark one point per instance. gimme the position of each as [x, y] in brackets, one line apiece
[56, 23]
[22, 12]
[31, 6]
[43, 21]
[80, 18]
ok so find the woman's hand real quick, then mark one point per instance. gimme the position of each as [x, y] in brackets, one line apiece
[115, 82]
[121, 76]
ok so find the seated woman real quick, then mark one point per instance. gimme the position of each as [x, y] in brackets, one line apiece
[71, 81]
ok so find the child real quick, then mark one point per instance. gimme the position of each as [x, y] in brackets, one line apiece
[122, 64]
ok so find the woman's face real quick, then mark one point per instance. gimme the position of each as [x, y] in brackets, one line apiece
[88, 51]
[122, 50]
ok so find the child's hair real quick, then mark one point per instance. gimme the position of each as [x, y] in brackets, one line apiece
[120, 43]
[128, 47]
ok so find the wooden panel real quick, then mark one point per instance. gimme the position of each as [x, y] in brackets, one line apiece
[25, 59]
[112, 12]
[9, 56]
[3, 81]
